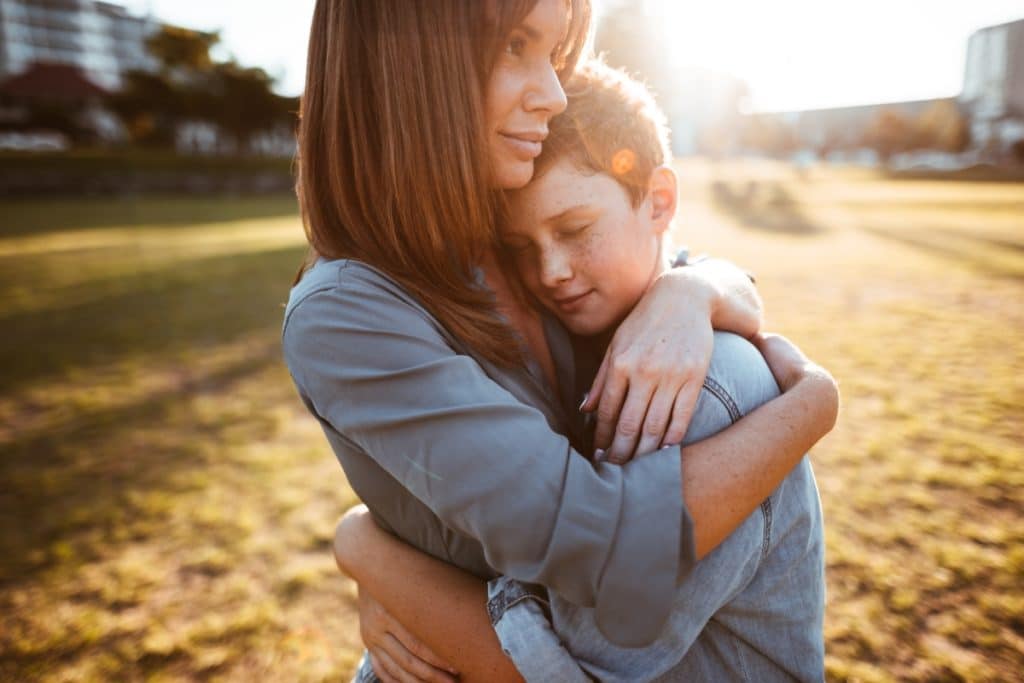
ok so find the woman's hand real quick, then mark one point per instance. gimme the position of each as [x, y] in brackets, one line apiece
[791, 367]
[397, 655]
[649, 381]
[788, 363]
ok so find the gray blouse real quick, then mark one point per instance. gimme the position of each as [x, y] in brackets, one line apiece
[467, 460]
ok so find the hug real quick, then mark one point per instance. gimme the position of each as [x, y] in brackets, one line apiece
[575, 465]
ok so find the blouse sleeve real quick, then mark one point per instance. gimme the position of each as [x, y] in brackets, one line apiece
[378, 370]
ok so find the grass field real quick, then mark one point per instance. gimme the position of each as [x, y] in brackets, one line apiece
[167, 505]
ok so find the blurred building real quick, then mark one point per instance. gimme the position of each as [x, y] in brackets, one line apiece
[99, 39]
[702, 106]
[844, 126]
[994, 86]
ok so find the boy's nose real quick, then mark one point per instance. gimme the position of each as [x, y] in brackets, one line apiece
[555, 268]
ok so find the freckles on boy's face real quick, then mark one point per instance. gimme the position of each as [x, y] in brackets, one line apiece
[581, 247]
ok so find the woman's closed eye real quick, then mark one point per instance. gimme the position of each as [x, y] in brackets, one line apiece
[515, 247]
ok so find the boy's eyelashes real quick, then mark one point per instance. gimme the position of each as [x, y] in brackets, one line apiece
[575, 231]
[515, 247]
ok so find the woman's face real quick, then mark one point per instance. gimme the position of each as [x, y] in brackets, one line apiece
[523, 93]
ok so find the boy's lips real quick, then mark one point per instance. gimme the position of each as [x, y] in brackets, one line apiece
[571, 304]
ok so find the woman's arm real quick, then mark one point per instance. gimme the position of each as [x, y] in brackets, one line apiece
[647, 386]
[441, 605]
[445, 609]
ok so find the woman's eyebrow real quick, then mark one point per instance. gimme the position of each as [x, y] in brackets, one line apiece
[531, 32]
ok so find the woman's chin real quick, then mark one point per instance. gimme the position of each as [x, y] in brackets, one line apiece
[514, 175]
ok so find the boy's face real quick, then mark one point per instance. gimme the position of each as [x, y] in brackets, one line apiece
[582, 248]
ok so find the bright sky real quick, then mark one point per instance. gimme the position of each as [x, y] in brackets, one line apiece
[794, 54]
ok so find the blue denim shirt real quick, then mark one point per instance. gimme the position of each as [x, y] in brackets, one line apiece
[467, 461]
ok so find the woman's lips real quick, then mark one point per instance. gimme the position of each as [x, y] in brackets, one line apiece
[524, 147]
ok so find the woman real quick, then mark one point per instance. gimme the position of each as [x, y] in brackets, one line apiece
[415, 115]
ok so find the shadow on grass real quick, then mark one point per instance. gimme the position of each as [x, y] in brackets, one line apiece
[94, 470]
[177, 309]
[763, 205]
[992, 240]
[42, 216]
[930, 241]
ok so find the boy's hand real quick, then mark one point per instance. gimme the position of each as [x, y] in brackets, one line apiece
[651, 376]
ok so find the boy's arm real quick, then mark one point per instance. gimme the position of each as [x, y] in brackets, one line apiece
[443, 607]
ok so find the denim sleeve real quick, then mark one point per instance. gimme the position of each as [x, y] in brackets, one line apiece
[738, 381]
[379, 371]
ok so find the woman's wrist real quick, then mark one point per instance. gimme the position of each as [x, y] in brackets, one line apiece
[694, 287]
[725, 292]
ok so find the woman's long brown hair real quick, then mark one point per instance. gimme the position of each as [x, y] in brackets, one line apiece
[392, 166]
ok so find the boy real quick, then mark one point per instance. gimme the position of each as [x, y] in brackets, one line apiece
[586, 237]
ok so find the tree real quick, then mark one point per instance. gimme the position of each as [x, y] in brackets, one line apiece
[149, 105]
[182, 50]
[942, 127]
[1017, 151]
[769, 134]
[246, 104]
[889, 133]
[190, 86]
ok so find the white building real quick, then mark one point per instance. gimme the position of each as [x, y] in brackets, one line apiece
[994, 85]
[100, 38]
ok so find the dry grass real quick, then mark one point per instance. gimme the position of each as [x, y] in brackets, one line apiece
[911, 293]
[167, 503]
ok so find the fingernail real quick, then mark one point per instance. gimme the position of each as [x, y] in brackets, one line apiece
[599, 455]
[586, 396]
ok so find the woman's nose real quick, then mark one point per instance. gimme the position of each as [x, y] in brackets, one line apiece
[545, 93]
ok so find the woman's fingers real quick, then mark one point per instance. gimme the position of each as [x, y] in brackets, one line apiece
[612, 397]
[682, 413]
[631, 420]
[593, 398]
[653, 433]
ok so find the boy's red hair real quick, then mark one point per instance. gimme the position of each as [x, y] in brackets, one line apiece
[612, 125]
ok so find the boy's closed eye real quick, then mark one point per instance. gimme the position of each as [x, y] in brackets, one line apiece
[577, 231]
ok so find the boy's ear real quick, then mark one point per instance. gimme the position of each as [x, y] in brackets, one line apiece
[663, 196]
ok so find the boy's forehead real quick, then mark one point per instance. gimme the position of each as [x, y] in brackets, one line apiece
[559, 190]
